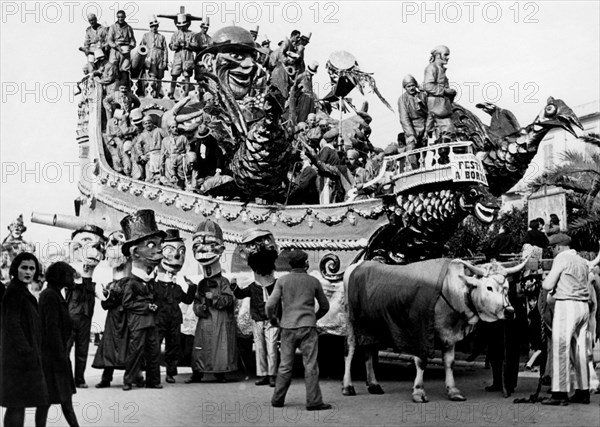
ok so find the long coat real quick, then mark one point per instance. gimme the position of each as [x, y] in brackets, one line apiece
[56, 329]
[112, 350]
[215, 348]
[22, 382]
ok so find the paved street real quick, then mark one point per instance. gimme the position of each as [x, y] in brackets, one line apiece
[240, 402]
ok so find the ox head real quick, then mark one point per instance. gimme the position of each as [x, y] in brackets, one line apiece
[488, 290]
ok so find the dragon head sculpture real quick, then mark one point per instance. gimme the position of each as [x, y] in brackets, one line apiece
[557, 114]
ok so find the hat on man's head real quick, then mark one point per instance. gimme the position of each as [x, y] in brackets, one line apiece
[208, 227]
[152, 21]
[253, 234]
[203, 132]
[331, 134]
[313, 67]
[182, 20]
[559, 239]
[98, 55]
[136, 116]
[352, 154]
[147, 118]
[231, 38]
[139, 226]
[408, 79]
[172, 235]
[298, 258]
[89, 228]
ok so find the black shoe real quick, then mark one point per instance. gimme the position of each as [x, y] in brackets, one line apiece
[140, 382]
[581, 396]
[81, 385]
[262, 381]
[195, 378]
[170, 379]
[103, 384]
[321, 407]
[493, 387]
[277, 405]
[272, 380]
[127, 387]
[555, 402]
[154, 386]
[221, 378]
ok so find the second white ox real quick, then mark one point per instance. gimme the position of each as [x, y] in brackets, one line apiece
[411, 307]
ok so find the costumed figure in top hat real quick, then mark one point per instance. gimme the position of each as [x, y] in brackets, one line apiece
[260, 250]
[215, 346]
[143, 246]
[112, 351]
[439, 94]
[13, 245]
[157, 57]
[168, 295]
[87, 249]
[183, 43]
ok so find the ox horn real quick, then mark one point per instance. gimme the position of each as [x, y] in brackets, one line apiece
[594, 262]
[516, 268]
[475, 270]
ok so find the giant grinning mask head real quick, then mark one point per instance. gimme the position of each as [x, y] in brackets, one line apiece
[208, 245]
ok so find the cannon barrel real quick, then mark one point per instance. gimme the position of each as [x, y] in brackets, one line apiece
[69, 222]
[138, 56]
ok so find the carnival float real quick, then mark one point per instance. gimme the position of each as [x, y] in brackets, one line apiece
[421, 195]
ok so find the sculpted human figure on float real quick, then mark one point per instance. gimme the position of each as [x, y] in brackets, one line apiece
[14, 244]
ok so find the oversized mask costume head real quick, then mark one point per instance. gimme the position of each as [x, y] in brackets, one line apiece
[231, 56]
[143, 239]
[208, 244]
[173, 252]
[88, 247]
[260, 250]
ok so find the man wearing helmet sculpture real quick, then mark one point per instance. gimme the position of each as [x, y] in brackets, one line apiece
[106, 71]
[168, 294]
[143, 245]
[231, 56]
[183, 43]
[121, 40]
[87, 249]
[157, 57]
[412, 108]
[439, 94]
[148, 146]
[95, 36]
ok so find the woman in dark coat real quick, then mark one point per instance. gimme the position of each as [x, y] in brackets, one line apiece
[22, 381]
[56, 329]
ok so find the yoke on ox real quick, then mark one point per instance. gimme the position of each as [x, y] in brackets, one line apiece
[411, 306]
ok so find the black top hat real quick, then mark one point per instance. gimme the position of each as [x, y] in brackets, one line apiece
[139, 226]
[173, 236]
[89, 228]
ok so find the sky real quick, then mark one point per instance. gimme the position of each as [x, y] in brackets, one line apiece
[514, 54]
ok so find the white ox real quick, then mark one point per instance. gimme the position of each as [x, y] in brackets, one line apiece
[465, 294]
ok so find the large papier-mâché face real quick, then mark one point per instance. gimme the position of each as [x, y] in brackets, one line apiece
[173, 256]
[207, 248]
[88, 249]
